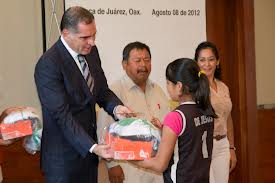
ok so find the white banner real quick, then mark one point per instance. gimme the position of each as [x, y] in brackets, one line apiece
[172, 29]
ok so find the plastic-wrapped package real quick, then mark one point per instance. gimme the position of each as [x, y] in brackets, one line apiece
[32, 143]
[19, 119]
[15, 130]
[133, 139]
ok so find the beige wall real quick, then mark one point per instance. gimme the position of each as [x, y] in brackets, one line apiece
[21, 44]
[265, 50]
[53, 35]
[20, 47]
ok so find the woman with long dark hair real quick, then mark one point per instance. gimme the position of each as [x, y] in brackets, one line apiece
[224, 158]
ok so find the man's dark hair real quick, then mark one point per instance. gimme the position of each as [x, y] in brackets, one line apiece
[75, 15]
[134, 45]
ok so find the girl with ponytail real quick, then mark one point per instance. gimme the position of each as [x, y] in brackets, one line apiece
[185, 150]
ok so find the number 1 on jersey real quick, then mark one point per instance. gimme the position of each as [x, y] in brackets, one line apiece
[204, 145]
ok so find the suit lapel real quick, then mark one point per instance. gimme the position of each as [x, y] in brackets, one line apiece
[71, 69]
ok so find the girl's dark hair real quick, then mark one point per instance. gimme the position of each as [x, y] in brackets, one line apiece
[194, 82]
[211, 46]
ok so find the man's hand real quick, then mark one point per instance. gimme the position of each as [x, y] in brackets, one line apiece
[103, 151]
[116, 174]
[122, 112]
[233, 160]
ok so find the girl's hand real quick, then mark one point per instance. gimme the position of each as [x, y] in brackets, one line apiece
[156, 122]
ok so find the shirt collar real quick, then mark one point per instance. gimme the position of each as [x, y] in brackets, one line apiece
[70, 50]
[130, 83]
[188, 102]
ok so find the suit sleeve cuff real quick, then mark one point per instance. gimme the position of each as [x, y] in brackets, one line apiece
[114, 113]
[92, 148]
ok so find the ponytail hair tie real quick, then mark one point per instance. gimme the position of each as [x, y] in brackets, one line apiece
[201, 72]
